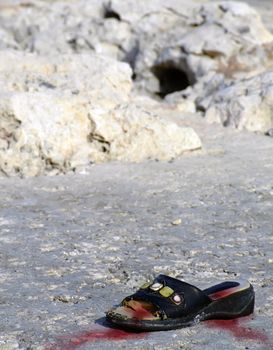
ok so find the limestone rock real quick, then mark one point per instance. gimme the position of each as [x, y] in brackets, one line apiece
[244, 104]
[66, 70]
[42, 132]
[169, 44]
[133, 133]
[225, 37]
[61, 113]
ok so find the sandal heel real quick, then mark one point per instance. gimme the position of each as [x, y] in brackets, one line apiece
[249, 309]
[235, 306]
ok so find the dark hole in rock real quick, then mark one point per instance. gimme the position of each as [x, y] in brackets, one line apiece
[200, 108]
[269, 133]
[47, 85]
[109, 13]
[226, 123]
[105, 149]
[171, 79]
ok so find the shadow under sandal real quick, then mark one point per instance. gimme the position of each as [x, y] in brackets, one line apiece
[168, 303]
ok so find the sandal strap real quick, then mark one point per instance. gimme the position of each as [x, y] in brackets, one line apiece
[172, 298]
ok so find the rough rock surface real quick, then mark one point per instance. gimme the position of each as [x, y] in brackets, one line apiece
[124, 30]
[225, 37]
[154, 38]
[64, 104]
[246, 104]
[60, 113]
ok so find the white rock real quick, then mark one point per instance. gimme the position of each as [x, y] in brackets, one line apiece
[43, 132]
[227, 37]
[246, 104]
[176, 222]
[60, 113]
[193, 36]
[135, 134]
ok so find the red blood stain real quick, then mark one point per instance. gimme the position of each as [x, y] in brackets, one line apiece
[223, 293]
[235, 327]
[72, 342]
[240, 331]
[141, 313]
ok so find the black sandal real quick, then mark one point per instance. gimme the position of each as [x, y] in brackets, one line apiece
[168, 303]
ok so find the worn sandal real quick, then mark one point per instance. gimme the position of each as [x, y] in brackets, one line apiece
[168, 303]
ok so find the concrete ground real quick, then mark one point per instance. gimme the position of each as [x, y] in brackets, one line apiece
[72, 246]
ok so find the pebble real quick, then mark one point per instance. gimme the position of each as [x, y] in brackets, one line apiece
[177, 222]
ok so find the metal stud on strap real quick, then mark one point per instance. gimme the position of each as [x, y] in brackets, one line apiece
[145, 285]
[156, 286]
[177, 299]
[166, 291]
